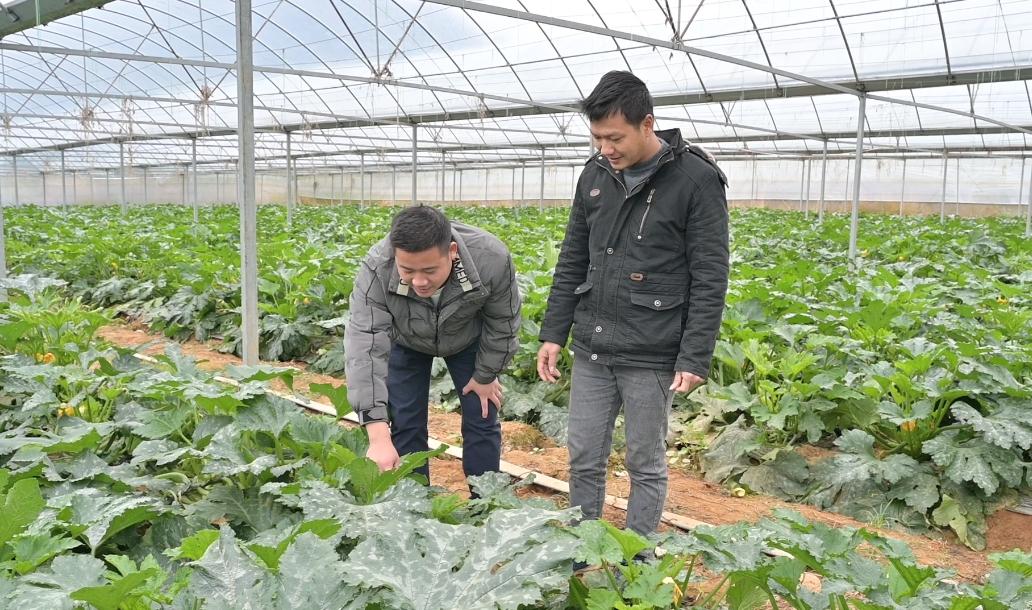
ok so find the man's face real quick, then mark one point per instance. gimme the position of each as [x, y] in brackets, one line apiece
[426, 271]
[622, 143]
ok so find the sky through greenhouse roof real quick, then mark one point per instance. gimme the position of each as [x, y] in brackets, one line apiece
[496, 83]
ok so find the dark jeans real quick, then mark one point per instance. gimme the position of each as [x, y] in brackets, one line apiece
[408, 397]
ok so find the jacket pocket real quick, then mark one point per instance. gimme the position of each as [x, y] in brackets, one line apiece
[656, 302]
[651, 323]
[582, 312]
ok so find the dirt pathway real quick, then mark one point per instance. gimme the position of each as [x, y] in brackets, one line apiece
[688, 494]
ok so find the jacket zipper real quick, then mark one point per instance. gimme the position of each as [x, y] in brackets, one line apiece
[436, 309]
[437, 325]
[666, 158]
[648, 207]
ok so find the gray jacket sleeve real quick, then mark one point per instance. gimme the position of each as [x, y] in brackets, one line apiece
[499, 338]
[571, 271]
[708, 266]
[367, 346]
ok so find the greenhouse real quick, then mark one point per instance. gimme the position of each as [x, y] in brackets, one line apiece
[192, 195]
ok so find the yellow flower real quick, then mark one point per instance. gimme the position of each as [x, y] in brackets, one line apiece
[307, 301]
[864, 253]
[739, 492]
[114, 265]
[48, 358]
[1002, 300]
[902, 258]
[66, 410]
[908, 426]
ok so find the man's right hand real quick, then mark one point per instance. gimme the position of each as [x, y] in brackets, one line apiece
[381, 448]
[548, 362]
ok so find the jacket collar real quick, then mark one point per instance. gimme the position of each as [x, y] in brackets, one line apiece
[678, 146]
[671, 136]
[464, 276]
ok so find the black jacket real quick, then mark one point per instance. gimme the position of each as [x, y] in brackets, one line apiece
[642, 276]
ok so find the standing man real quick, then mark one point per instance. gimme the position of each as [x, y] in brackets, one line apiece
[431, 288]
[641, 278]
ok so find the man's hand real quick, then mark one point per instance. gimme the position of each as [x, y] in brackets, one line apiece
[548, 360]
[686, 382]
[381, 448]
[487, 392]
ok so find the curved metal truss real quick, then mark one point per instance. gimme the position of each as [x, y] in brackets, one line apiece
[153, 82]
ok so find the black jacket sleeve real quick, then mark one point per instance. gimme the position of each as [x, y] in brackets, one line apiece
[706, 237]
[570, 271]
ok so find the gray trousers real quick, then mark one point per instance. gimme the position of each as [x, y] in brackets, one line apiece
[597, 392]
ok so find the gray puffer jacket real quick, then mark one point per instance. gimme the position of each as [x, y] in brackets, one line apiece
[642, 275]
[480, 300]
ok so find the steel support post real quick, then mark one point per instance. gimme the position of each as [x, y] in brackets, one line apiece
[541, 192]
[193, 175]
[903, 187]
[122, 178]
[824, 175]
[291, 183]
[64, 183]
[855, 222]
[14, 166]
[415, 143]
[245, 183]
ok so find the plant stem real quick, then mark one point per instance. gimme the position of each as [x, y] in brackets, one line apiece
[715, 590]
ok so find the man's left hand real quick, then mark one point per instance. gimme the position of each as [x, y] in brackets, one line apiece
[686, 382]
[488, 392]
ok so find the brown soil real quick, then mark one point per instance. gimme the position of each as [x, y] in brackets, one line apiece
[1008, 531]
[688, 494]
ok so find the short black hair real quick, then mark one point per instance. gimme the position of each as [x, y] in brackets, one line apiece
[420, 228]
[618, 92]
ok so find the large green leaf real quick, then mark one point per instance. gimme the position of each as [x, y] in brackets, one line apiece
[112, 595]
[159, 424]
[21, 505]
[246, 374]
[367, 482]
[225, 458]
[161, 452]
[324, 588]
[52, 589]
[964, 521]
[858, 461]
[243, 508]
[975, 460]
[1006, 427]
[515, 559]
[338, 396]
[406, 502]
[729, 455]
[33, 550]
[596, 545]
[227, 578]
[104, 515]
[195, 546]
[785, 476]
[267, 414]
[270, 552]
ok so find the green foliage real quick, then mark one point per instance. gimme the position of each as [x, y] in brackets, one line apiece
[915, 366]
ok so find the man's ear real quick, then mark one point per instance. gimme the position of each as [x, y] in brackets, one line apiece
[453, 251]
[648, 124]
